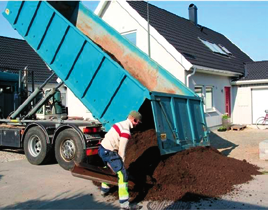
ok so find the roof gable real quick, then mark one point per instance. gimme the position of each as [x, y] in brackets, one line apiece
[186, 37]
[16, 54]
[103, 6]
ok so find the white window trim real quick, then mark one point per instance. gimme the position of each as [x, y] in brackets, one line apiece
[217, 48]
[212, 97]
[203, 94]
[131, 32]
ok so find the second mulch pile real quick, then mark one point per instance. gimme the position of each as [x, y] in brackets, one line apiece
[200, 171]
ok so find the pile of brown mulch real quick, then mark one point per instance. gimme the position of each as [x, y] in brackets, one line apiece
[198, 172]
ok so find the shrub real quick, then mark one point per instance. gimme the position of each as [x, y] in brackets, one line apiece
[225, 116]
[222, 128]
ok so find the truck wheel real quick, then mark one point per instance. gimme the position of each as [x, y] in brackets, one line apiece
[35, 146]
[69, 149]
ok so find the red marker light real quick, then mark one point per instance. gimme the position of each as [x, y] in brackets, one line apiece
[88, 130]
[92, 151]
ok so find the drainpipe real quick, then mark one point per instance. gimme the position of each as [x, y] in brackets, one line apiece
[148, 30]
[188, 76]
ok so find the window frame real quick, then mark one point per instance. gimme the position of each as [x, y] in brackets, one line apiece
[225, 49]
[124, 34]
[211, 108]
[204, 96]
[216, 48]
[201, 87]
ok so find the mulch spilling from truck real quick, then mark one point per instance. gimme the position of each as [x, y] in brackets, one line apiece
[200, 172]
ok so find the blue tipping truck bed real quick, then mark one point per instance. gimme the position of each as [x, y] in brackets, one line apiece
[109, 89]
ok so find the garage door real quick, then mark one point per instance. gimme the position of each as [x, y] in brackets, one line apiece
[259, 103]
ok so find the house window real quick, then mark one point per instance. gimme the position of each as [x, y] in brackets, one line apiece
[225, 50]
[130, 36]
[206, 93]
[198, 90]
[216, 48]
[209, 98]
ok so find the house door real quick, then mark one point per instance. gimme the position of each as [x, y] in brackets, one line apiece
[227, 91]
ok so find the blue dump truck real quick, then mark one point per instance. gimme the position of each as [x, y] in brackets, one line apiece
[109, 75]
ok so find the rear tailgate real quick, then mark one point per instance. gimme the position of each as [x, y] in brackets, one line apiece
[179, 122]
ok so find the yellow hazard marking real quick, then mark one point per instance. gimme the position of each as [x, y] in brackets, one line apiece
[14, 121]
[163, 136]
[7, 11]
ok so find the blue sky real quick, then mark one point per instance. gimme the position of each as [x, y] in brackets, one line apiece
[245, 23]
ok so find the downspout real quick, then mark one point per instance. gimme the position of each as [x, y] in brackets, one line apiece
[148, 30]
[188, 76]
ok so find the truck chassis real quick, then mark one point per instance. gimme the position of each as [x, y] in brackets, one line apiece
[69, 141]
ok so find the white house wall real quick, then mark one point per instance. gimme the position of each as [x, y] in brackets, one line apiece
[117, 17]
[242, 105]
[76, 108]
[214, 117]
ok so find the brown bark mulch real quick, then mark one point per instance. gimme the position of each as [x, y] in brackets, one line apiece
[200, 172]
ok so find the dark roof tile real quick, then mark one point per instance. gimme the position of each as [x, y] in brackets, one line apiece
[184, 36]
[16, 54]
[256, 71]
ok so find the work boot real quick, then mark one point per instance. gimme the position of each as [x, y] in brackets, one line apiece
[105, 189]
[124, 206]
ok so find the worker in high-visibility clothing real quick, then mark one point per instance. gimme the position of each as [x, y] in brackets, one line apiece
[112, 151]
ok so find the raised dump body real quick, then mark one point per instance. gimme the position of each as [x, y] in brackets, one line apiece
[109, 75]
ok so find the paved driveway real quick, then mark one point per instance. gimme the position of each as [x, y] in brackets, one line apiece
[241, 144]
[25, 186]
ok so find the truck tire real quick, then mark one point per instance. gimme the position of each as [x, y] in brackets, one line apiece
[69, 149]
[35, 146]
